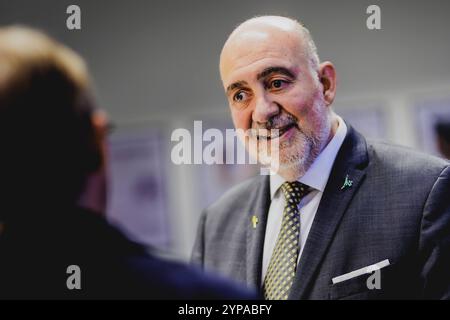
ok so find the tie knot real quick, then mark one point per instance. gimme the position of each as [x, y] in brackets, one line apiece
[294, 191]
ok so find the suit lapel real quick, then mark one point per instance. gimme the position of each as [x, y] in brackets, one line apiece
[259, 203]
[349, 166]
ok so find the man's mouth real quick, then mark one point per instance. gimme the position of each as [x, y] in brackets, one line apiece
[275, 132]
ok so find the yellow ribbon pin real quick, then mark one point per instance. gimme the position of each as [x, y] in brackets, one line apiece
[255, 221]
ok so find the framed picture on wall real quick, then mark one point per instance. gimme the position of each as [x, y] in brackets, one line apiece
[138, 196]
[431, 112]
[369, 120]
[215, 179]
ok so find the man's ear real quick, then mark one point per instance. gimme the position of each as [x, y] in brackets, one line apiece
[99, 121]
[327, 76]
[94, 193]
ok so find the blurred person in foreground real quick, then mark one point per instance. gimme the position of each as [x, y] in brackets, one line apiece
[53, 189]
[341, 217]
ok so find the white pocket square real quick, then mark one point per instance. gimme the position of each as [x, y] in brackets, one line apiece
[364, 270]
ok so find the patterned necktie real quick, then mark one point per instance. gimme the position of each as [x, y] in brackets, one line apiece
[283, 263]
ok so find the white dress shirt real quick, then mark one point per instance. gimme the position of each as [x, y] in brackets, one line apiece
[315, 177]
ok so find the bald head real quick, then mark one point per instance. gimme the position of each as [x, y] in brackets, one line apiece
[265, 31]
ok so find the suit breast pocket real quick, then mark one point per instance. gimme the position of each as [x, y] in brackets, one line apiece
[349, 287]
[365, 286]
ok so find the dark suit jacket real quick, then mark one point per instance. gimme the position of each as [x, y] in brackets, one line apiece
[398, 208]
[37, 248]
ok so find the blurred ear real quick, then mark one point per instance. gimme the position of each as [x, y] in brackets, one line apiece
[94, 194]
[100, 124]
[327, 74]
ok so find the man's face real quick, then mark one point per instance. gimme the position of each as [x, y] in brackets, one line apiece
[270, 84]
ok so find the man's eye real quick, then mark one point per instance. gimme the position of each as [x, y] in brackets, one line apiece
[240, 96]
[277, 84]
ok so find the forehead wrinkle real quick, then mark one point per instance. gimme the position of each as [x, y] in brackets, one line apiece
[239, 49]
[235, 76]
[273, 70]
[234, 72]
[235, 85]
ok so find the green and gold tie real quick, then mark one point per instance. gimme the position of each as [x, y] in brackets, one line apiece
[283, 263]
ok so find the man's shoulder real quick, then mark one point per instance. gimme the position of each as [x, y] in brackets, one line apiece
[405, 159]
[170, 279]
[142, 272]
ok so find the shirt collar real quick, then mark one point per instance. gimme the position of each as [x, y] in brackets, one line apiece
[317, 175]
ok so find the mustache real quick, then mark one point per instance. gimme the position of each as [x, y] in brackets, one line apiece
[276, 122]
[279, 123]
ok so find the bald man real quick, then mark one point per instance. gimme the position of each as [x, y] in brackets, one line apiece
[341, 217]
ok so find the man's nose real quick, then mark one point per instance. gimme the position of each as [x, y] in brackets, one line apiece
[264, 109]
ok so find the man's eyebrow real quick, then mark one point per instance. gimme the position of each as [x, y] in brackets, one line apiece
[236, 85]
[271, 70]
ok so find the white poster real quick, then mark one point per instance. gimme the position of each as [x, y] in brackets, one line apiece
[369, 121]
[215, 179]
[429, 113]
[137, 201]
